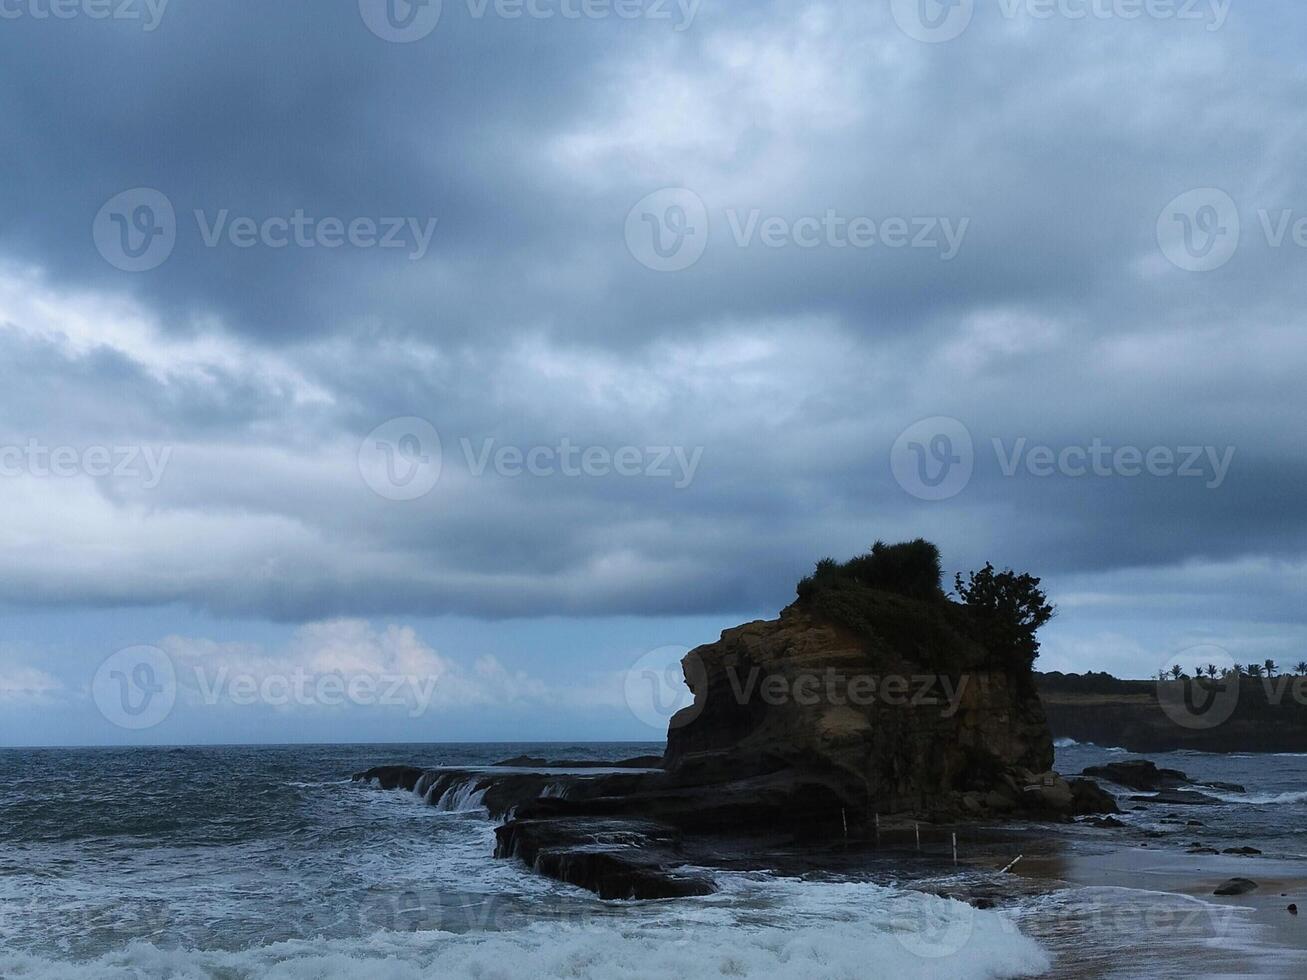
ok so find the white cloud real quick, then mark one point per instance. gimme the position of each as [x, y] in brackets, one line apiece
[81, 322]
[26, 685]
[391, 658]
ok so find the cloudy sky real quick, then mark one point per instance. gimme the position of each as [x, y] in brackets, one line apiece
[509, 345]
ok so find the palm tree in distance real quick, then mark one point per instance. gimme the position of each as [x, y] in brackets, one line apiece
[1254, 670]
[1270, 667]
[1177, 672]
[1212, 671]
[1300, 668]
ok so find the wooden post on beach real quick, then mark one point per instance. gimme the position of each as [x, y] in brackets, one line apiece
[917, 827]
[878, 830]
[955, 849]
[844, 816]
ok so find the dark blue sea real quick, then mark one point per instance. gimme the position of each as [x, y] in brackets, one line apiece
[245, 862]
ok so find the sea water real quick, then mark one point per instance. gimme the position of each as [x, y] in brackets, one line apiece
[270, 862]
[235, 862]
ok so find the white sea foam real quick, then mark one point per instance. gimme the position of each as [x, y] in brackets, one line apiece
[1261, 799]
[1071, 743]
[832, 930]
[462, 797]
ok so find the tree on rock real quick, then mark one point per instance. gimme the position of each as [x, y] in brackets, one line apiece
[1012, 607]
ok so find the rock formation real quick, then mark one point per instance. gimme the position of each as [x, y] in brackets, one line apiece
[916, 716]
[873, 695]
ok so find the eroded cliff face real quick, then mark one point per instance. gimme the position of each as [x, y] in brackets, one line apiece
[908, 713]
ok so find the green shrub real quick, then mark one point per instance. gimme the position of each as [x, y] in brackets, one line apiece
[910, 569]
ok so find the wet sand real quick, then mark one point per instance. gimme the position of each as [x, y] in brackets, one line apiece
[1116, 906]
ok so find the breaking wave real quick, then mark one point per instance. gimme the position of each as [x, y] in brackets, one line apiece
[844, 929]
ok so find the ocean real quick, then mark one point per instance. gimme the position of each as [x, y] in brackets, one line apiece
[236, 862]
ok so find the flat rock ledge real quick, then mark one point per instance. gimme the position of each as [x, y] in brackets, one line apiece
[615, 859]
[643, 835]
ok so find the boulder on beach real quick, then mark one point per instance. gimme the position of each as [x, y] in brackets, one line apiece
[1088, 797]
[1104, 822]
[1236, 886]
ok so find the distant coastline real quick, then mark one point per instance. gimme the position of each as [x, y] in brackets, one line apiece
[1226, 714]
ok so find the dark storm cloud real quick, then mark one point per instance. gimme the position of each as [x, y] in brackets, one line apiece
[1050, 146]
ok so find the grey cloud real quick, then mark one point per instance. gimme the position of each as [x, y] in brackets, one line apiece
[529, 320]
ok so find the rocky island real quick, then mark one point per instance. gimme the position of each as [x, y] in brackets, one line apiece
[873, 698]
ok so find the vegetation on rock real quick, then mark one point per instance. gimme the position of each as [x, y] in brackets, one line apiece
[999, 611]
[1011, 607]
